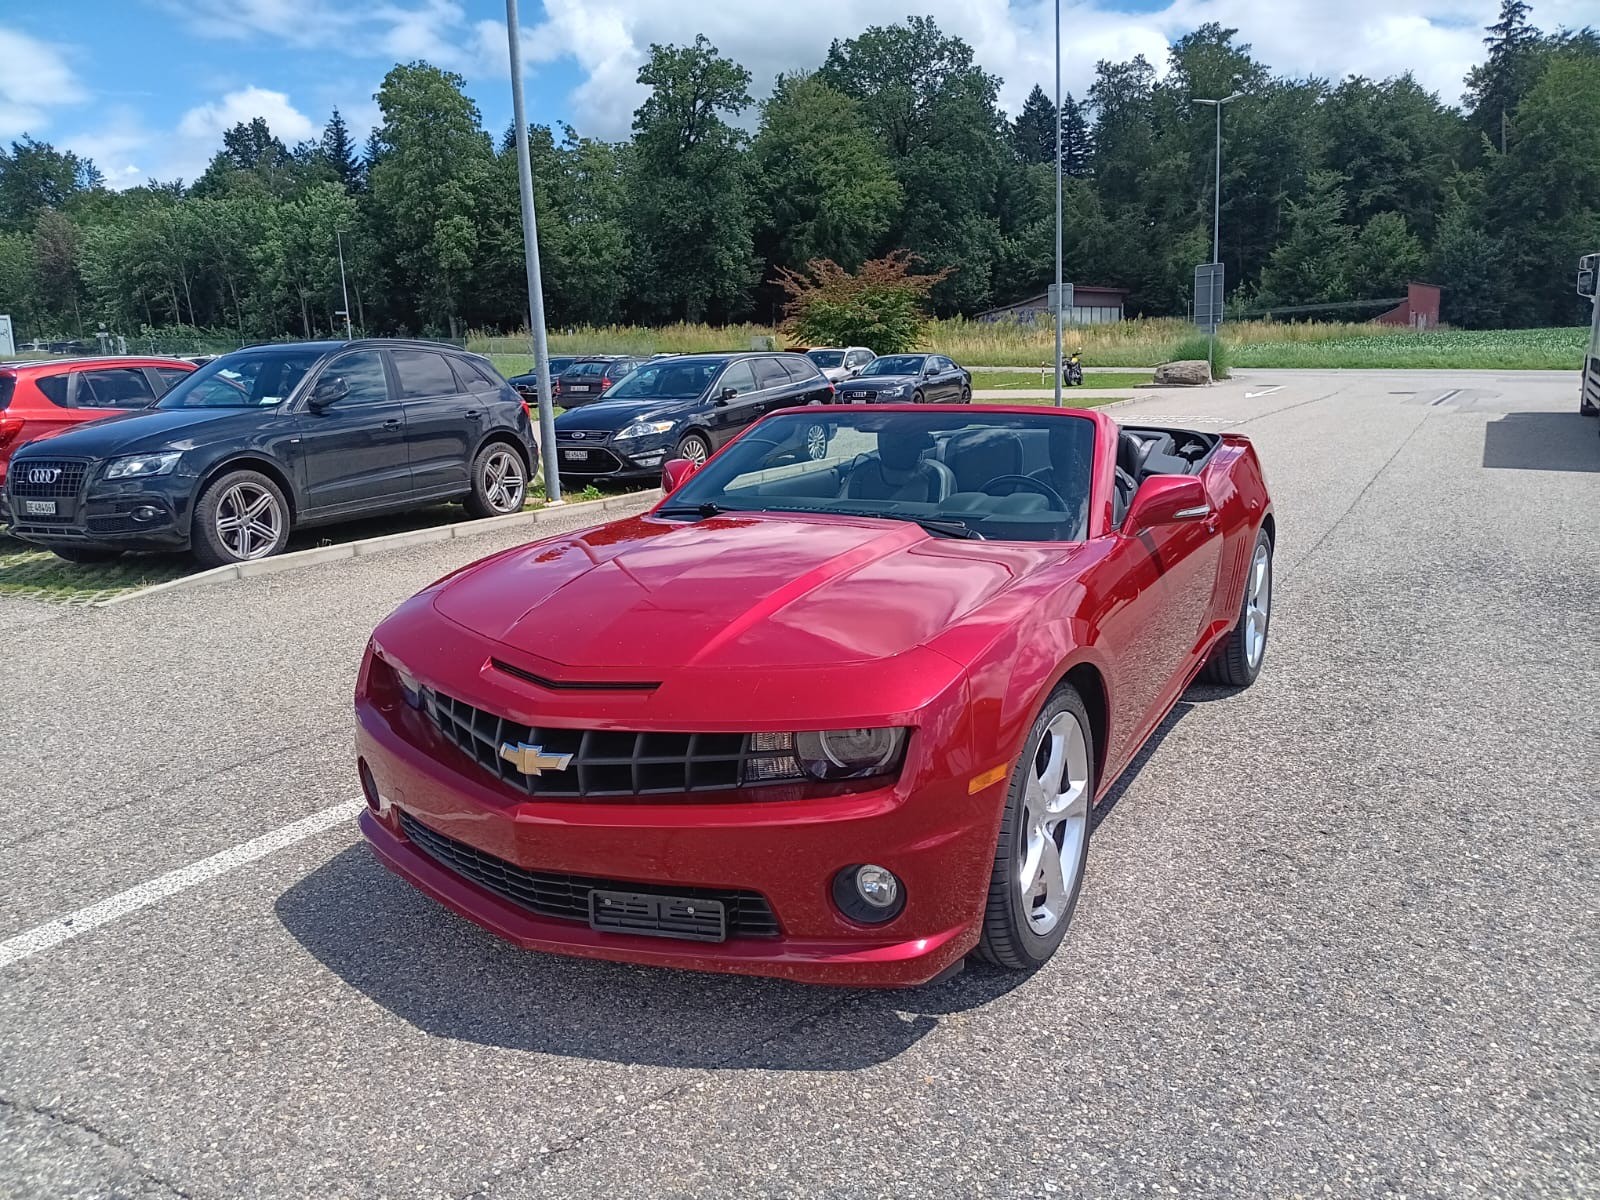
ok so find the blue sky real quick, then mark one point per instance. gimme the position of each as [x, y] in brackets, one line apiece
[145, 87]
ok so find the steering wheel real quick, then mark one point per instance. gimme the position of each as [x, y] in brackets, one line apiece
[1030, 484]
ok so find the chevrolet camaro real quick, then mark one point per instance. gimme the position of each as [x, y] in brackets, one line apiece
[839, 719]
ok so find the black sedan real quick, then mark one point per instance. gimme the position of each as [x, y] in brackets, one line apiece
[908, 378]
[684, 407]
[273, 438]
[527, 384]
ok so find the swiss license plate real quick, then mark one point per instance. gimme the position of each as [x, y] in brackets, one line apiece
[687, 917]
[38, 508]
[575, 455]
[579, 387]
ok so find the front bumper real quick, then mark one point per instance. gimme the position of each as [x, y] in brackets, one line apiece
[608, 460]
[137, 514]
[926, 828]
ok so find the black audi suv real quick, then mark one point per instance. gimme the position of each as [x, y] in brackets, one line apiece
[269, 439]
[683, 407]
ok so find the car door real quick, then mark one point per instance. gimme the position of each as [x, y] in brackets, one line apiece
[730, 414]
[948, 382]
[443, 426]
[351, 454]
[774, 385]
[808, 385]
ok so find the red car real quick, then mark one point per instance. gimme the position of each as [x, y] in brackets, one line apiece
[41, 398]
[839, 720]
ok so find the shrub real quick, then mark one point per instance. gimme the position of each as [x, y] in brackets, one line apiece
[1199, 346]
[883, 305]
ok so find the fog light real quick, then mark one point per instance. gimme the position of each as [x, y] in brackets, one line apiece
[146, 512]
[868, 894]
[369, 785]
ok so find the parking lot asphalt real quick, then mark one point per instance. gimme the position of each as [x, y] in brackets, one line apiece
[1338, 935]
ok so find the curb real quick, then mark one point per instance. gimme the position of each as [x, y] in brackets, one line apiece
[318, 555]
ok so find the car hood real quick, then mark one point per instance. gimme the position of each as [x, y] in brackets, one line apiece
[882, 381]
[646, 596]
[611, 415]
[141, 430]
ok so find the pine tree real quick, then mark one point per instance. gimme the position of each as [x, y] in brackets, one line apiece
[1033, 133]
[1496, 88]
[338, 151]
[1077, 143]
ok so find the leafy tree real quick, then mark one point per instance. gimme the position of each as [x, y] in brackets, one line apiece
[57, 281]
[1311, 265]
[1033, 133]
[1384, 256]
[251, 158]
[429, 187]
[35, 175]
[691, 229]
[823, 182]
[883, 305]
[1395, 143]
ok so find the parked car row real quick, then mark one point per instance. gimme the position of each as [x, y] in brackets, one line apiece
[227, 460]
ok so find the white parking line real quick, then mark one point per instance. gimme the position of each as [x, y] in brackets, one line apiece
[53, 933]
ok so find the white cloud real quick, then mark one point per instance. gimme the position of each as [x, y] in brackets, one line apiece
[207, 122]
[34, 78]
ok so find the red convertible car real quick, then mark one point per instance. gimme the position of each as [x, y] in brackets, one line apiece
[839, 719]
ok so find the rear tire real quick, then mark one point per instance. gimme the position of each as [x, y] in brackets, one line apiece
[241, 517]
[1237, 659]
[81, 554]
[499, 482]
[966, 394]
[1044, 839]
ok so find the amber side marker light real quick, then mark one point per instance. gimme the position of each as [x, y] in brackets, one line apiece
[988, 778]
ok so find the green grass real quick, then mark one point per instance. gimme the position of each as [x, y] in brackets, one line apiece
[1068, 400]
[1461, 349]
[1030, 381]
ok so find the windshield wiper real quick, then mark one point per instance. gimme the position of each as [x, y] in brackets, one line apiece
[948, 528]
[708, 509]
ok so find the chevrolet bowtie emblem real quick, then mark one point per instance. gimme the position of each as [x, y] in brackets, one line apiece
[532, 760]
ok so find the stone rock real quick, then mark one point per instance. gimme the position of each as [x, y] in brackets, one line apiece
[1190, 372]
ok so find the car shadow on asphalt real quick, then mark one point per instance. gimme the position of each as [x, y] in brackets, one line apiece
[448, 978]
[1542, 441]
[1196, 693]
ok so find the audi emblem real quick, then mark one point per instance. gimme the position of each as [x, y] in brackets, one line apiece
[43, 474]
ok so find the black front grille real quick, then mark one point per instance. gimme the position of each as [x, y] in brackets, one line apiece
[65, 482]
[554, 895]
[603, 762]
[600, 461]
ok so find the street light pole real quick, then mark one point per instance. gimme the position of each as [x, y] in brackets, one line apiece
[1216, 211]
[1057, 305]
[338, 237]
[530, 249]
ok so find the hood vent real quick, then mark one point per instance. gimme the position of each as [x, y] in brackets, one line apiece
[575, 685]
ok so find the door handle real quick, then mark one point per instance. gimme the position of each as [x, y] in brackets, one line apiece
[393, 423]
[473, 412]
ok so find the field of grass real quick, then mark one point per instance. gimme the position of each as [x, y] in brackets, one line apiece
[1141, 343]
[1032, 381]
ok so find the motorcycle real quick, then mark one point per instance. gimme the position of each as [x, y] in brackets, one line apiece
[1072, 370]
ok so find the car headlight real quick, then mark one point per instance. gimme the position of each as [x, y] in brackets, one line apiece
[900, 389]
[829, 754]
[134, 466]
[641, 429]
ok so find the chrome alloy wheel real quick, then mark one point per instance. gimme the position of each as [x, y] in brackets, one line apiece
[816, 443]
[1258, 605]
[1055, 821]
[249, 521]
[503, 484]
[693, 449]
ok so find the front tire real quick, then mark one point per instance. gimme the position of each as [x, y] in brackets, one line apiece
[240, 517]
[695, 448]
[1044, 839]
[917, 397]
[82, 554]
[1237, 659]
[499, 482]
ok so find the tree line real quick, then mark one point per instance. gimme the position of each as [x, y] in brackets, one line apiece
[1332, 194]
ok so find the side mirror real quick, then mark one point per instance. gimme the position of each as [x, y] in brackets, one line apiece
[674, 473]
[727, 394]
[1166, 500]
[328, 392]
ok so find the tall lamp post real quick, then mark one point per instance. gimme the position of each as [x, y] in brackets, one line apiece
[349, 333]
[1058, 315]
[1216, 206]
[530, 249]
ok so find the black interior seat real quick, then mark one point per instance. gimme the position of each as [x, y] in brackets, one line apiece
[900, 472]
[976, 457]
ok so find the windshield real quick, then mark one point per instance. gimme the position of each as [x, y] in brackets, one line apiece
[243, 380]
[670, 379]
[826, 358]
[1017, 477]
[894, 364]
